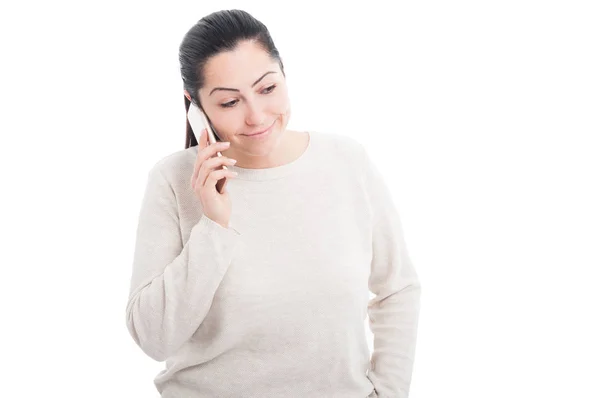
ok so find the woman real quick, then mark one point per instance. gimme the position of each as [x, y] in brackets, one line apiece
[262, 290]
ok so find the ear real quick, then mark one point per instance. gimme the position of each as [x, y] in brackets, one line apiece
[187, 95]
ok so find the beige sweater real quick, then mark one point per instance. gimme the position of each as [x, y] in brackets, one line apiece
[276, 304]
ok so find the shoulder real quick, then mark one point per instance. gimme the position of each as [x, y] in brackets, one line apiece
[174, 167]
[341, 146]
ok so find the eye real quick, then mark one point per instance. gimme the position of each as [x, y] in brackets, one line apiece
[229, 104]
[269, 89]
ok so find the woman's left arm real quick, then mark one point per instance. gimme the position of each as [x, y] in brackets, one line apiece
[394, 311]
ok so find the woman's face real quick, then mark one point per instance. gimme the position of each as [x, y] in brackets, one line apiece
[244, 93]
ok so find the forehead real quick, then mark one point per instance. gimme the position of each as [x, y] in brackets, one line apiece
[238, 68]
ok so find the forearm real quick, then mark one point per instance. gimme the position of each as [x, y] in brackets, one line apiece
[394, 323]
[165, 311]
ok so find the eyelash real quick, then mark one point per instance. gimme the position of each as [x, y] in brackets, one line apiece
[231, 104]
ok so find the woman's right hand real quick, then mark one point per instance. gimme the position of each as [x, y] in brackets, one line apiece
[207, 171]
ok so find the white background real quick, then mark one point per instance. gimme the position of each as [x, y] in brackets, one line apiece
[483, 116]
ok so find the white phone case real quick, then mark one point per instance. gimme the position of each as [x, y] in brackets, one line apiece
[198, 121]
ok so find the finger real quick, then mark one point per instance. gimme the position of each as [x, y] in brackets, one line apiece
[224, 186]
[206, 151]
[216, 175]
[211, 150]
[218, 161]
[212, 164]
[202, 143]
[204, 154]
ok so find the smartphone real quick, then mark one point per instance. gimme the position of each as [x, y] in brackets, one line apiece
[199, 121]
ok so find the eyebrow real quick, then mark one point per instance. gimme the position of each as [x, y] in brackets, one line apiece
[235, 89]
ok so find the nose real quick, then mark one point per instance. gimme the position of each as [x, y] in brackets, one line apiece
[255, 115]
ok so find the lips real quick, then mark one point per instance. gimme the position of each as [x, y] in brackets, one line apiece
[259, 132]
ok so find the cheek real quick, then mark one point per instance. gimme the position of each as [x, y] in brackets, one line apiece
[229, 122]
[280, 104]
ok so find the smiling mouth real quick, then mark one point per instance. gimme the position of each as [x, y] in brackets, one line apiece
[259, 132]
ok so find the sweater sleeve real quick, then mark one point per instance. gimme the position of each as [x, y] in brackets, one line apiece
[173, 283]
[394, 310]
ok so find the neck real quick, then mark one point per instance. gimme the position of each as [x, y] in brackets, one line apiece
[290, 147]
